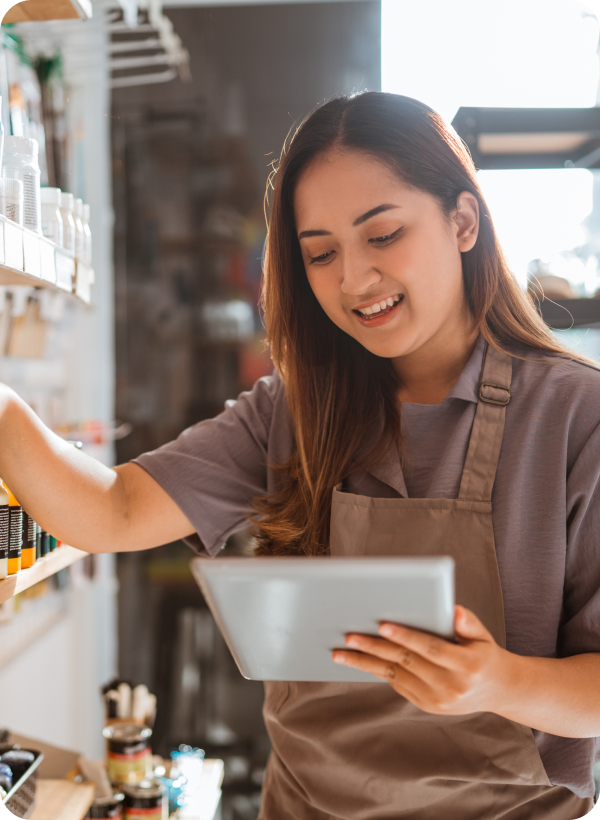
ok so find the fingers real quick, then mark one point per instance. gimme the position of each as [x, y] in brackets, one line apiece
[468, 625]
[435, 650]
[401, 680]
[396, 654]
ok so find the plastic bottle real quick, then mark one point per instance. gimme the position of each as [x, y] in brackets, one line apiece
[11, 199]
[52, 222]
[79, 230]
[21, 162]
[69, 229]
[87, 254]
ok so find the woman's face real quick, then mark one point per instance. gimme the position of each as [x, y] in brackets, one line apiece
[382, 259]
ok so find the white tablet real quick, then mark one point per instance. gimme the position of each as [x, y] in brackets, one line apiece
[282, 617]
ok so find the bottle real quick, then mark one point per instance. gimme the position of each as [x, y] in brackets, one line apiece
[15, 533]
[1, 135]
[87, 253]
[69, 229]
[3, 532]
[21, 162]
[52, 221]
[28, 546]
[11, 199]
[79, 230]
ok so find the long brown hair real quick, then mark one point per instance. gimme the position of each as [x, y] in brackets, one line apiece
[337, 391]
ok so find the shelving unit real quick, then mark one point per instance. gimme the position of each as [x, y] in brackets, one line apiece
[49, 565]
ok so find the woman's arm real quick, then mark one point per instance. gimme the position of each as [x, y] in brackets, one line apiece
[558, 696]
[75, 497]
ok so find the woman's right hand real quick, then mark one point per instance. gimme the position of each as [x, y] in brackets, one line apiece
[76, 498]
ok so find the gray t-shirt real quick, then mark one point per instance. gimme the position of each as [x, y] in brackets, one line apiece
[545, 502]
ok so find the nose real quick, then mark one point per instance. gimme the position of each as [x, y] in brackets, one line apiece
[358, 274]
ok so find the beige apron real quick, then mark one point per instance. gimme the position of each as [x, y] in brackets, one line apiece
[360, 751]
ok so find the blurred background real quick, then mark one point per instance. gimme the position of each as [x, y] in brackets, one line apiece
[166, 118]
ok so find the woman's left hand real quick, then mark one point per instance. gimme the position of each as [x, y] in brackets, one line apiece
[437, 676]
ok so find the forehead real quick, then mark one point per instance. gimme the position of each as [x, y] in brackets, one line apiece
[345, 183]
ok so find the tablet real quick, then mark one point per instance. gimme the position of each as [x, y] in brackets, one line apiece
[282, 617]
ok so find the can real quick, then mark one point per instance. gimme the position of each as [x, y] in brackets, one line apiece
[145, 801]
[128, 754]
[106, 808]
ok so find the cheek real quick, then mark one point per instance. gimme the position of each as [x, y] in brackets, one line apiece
[326, 289]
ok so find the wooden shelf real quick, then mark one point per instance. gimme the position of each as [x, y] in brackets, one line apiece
[49, 565]
[62, 800]
[35, 10]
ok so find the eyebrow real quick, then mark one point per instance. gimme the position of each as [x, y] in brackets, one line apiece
[369, 215]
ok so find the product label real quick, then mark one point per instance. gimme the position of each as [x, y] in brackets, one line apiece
[15, 533]
[12, 211]
[52, 230]
[4, 531]
[31, 201]
[128, 768]
[144, 814]
[31, 531]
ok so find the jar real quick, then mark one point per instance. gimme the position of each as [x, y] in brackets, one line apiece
[79, 232]
[52, 222]
[106, 808]
[87, 232]
[128, 754]
[21, 162]
[11, 199]
[67, 203]
[146, 801]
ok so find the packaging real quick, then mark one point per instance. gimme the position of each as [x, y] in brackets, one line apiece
[11, 199]
[128, 754]
[67, 203]
[146, 801]
[52, 221]
[21, 162]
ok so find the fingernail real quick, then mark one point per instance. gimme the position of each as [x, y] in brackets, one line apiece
[352, 642]
[339, 658]
[386, 630]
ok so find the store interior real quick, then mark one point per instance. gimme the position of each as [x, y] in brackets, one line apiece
[166, 119]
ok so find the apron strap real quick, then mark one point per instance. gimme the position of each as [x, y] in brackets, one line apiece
[488, 427]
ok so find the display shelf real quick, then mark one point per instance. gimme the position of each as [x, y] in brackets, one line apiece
[562, 314]
[49, 565]
[62, 800]
[31, 11]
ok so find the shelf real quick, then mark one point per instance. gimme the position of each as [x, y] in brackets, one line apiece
[562, 314]
[28, 259]
[62, 800]
[36, 10]
[49, 565]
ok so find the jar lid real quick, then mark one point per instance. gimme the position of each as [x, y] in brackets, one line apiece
[126, 732]
[51, 196]
[23, 146]
[78, 207]
[67, 201]
[11, 187]
[144, 790]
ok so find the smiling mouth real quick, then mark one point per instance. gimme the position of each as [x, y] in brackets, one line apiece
[379, 309]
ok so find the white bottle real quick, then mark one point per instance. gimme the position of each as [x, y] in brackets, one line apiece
[11, 199]
[79, 231]
[52, 222]
[69, 229]
[21, 162]
[87, 253]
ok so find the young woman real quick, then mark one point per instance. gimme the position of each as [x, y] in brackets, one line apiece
[419, 406]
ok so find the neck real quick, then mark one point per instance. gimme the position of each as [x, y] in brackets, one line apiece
[427, 375]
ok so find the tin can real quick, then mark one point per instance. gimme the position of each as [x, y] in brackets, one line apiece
[128, 754]
[106, 808]
[145, 801]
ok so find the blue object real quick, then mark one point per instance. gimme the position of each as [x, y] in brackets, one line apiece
[6, 777]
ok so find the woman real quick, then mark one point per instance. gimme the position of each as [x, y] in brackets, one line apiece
[420, 406]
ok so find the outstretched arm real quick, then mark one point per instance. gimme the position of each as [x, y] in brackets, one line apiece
[75, 497]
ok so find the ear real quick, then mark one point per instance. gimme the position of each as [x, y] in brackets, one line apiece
[466, 219]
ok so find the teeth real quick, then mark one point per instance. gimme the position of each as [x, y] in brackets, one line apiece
[368, 311]
[379, 306]
[375, 308]
[389, 301]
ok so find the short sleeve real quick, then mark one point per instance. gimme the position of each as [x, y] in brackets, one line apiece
[580, 632]
[215, 468]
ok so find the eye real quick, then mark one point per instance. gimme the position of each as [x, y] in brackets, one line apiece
[384, 240]
[323, 257]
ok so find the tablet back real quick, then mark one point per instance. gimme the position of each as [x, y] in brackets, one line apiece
[281, 617]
